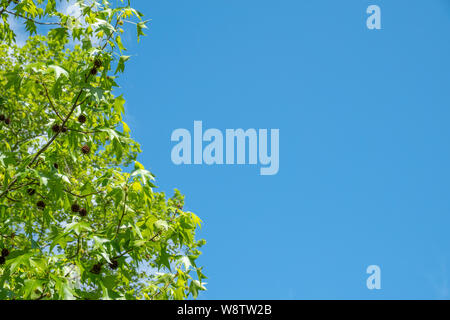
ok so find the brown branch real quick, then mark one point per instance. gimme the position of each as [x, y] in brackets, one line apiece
[82, 196]
[26, 140]
[4, 8]
[42, 296]
[50, 101]
[29, 19]
[122, 254]
[112, 32]
[6, 237]
[85, 99]
[165, 287]
[78, 248]
[24, 185]
[152, 239]
[71, 269]
[123, 213]
[11, 199]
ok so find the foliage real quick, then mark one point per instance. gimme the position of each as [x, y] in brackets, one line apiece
[75, 223]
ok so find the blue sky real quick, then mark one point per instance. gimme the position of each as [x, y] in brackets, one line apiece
[364, 141]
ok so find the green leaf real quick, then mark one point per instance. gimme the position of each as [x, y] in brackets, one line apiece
[77, 227]
[121, 64]
[58, 71]
[139, 28]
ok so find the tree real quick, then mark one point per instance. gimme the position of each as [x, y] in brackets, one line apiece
[79, 215]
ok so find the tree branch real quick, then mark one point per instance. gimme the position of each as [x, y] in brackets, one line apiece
[4, 8]
[165, 287]
[123, 213]
[50, 101]
[29, 19]
[82, 196]
[78, 248]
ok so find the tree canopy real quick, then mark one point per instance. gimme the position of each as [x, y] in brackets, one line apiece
[80, 217]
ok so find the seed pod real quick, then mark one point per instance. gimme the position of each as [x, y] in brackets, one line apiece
[64, 129]
[7, 121]
[97, 63]
[56, 128]
[75, 207]
[5, 252]
[114, 264]
[83, 212]
[97, 268]
[40, 205]
[82, 118]
[2, 117]
[56, 166]
[85, 149]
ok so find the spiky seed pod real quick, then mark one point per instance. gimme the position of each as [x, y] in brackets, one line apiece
[2, 117]
[83, 212]
[75, 207]
[97, 63]
[85, 149]
[114, 264]
[64, 129]
[56, 128]
[94, 71]
[2, 260]
[5, 252]
[56, 166]
[82, 118]
[97, 268]
[31, 192]
[40, 205]
[7, 121]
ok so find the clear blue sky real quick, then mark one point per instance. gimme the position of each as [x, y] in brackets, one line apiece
[364, 141]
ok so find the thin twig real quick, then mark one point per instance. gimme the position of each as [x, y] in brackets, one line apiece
[50, 101]
[82, 196]
[29, 19]
[165, 287]
[11, 199]
[4, 8]
[123, 212]
[78, 248]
